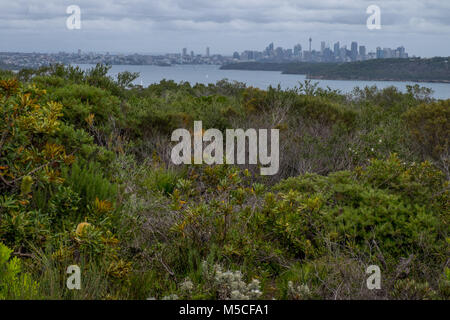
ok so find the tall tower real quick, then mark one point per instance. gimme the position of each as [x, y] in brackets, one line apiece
[310, 40]
[354, 50]
[207, 51]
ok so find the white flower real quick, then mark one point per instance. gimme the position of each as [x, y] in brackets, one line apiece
[186, 285]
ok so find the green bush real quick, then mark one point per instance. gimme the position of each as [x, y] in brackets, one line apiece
[14, 284]
[89, 182]
[398, 206]
[429, 125]
[324, 111]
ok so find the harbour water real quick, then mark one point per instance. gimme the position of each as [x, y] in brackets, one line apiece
[261, 79]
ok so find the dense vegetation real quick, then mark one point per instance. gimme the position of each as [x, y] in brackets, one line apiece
[86, 179]
[414, 69]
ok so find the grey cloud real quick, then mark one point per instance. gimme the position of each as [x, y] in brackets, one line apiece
[196, 21]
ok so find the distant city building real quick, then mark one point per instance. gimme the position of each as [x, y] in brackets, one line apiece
[279, 52]
[207, 52]
[354, 51]
[362, 53]
[298, 50]
[401, 52]
[184, 52]
[379, 54]
[336, 49]
[387, 53]
[269, 50]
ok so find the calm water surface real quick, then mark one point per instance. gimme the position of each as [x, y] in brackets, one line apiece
[261, 79]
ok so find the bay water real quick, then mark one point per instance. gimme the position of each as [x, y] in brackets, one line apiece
[261, 79]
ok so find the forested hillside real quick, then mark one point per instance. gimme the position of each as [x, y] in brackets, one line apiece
[86, 179]
[413, 69]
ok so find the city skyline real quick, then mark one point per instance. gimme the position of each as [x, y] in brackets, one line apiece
[157, 26]
[338, 53]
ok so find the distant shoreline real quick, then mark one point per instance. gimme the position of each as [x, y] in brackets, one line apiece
[435, 70]
[372, 79]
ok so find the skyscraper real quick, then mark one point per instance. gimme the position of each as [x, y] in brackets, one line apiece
[207, 51]
[362, 51]
[269, 50]
[297, 50]
[310, 40]
[401, 52]
[322, 46]
[336, 48]
[184, 52]
[354, 50]
[379, 53]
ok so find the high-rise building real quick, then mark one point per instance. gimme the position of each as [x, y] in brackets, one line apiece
[184, 52]
[336, 49]
[379, 53]
[343, 53]
[298, 50]
[279, 52]
[207, 51]
[387, 53]
[354, 50]
[322, 46]
[310, 40]
[327, 55]
[269, 50]
[362, 51]
[401, 52]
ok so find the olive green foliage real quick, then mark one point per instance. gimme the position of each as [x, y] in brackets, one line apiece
[429, 125]
[86, 179]
[412, 69]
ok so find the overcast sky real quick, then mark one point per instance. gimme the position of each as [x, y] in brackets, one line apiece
[160, 26]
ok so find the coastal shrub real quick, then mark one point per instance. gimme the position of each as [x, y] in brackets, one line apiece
[6, 74]
[80, 100]
[26, 149]
[324, 111]
[14, 283]
[163, 180]
[88, 180]
[22, 225]
[384, 202]
[429, 125]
